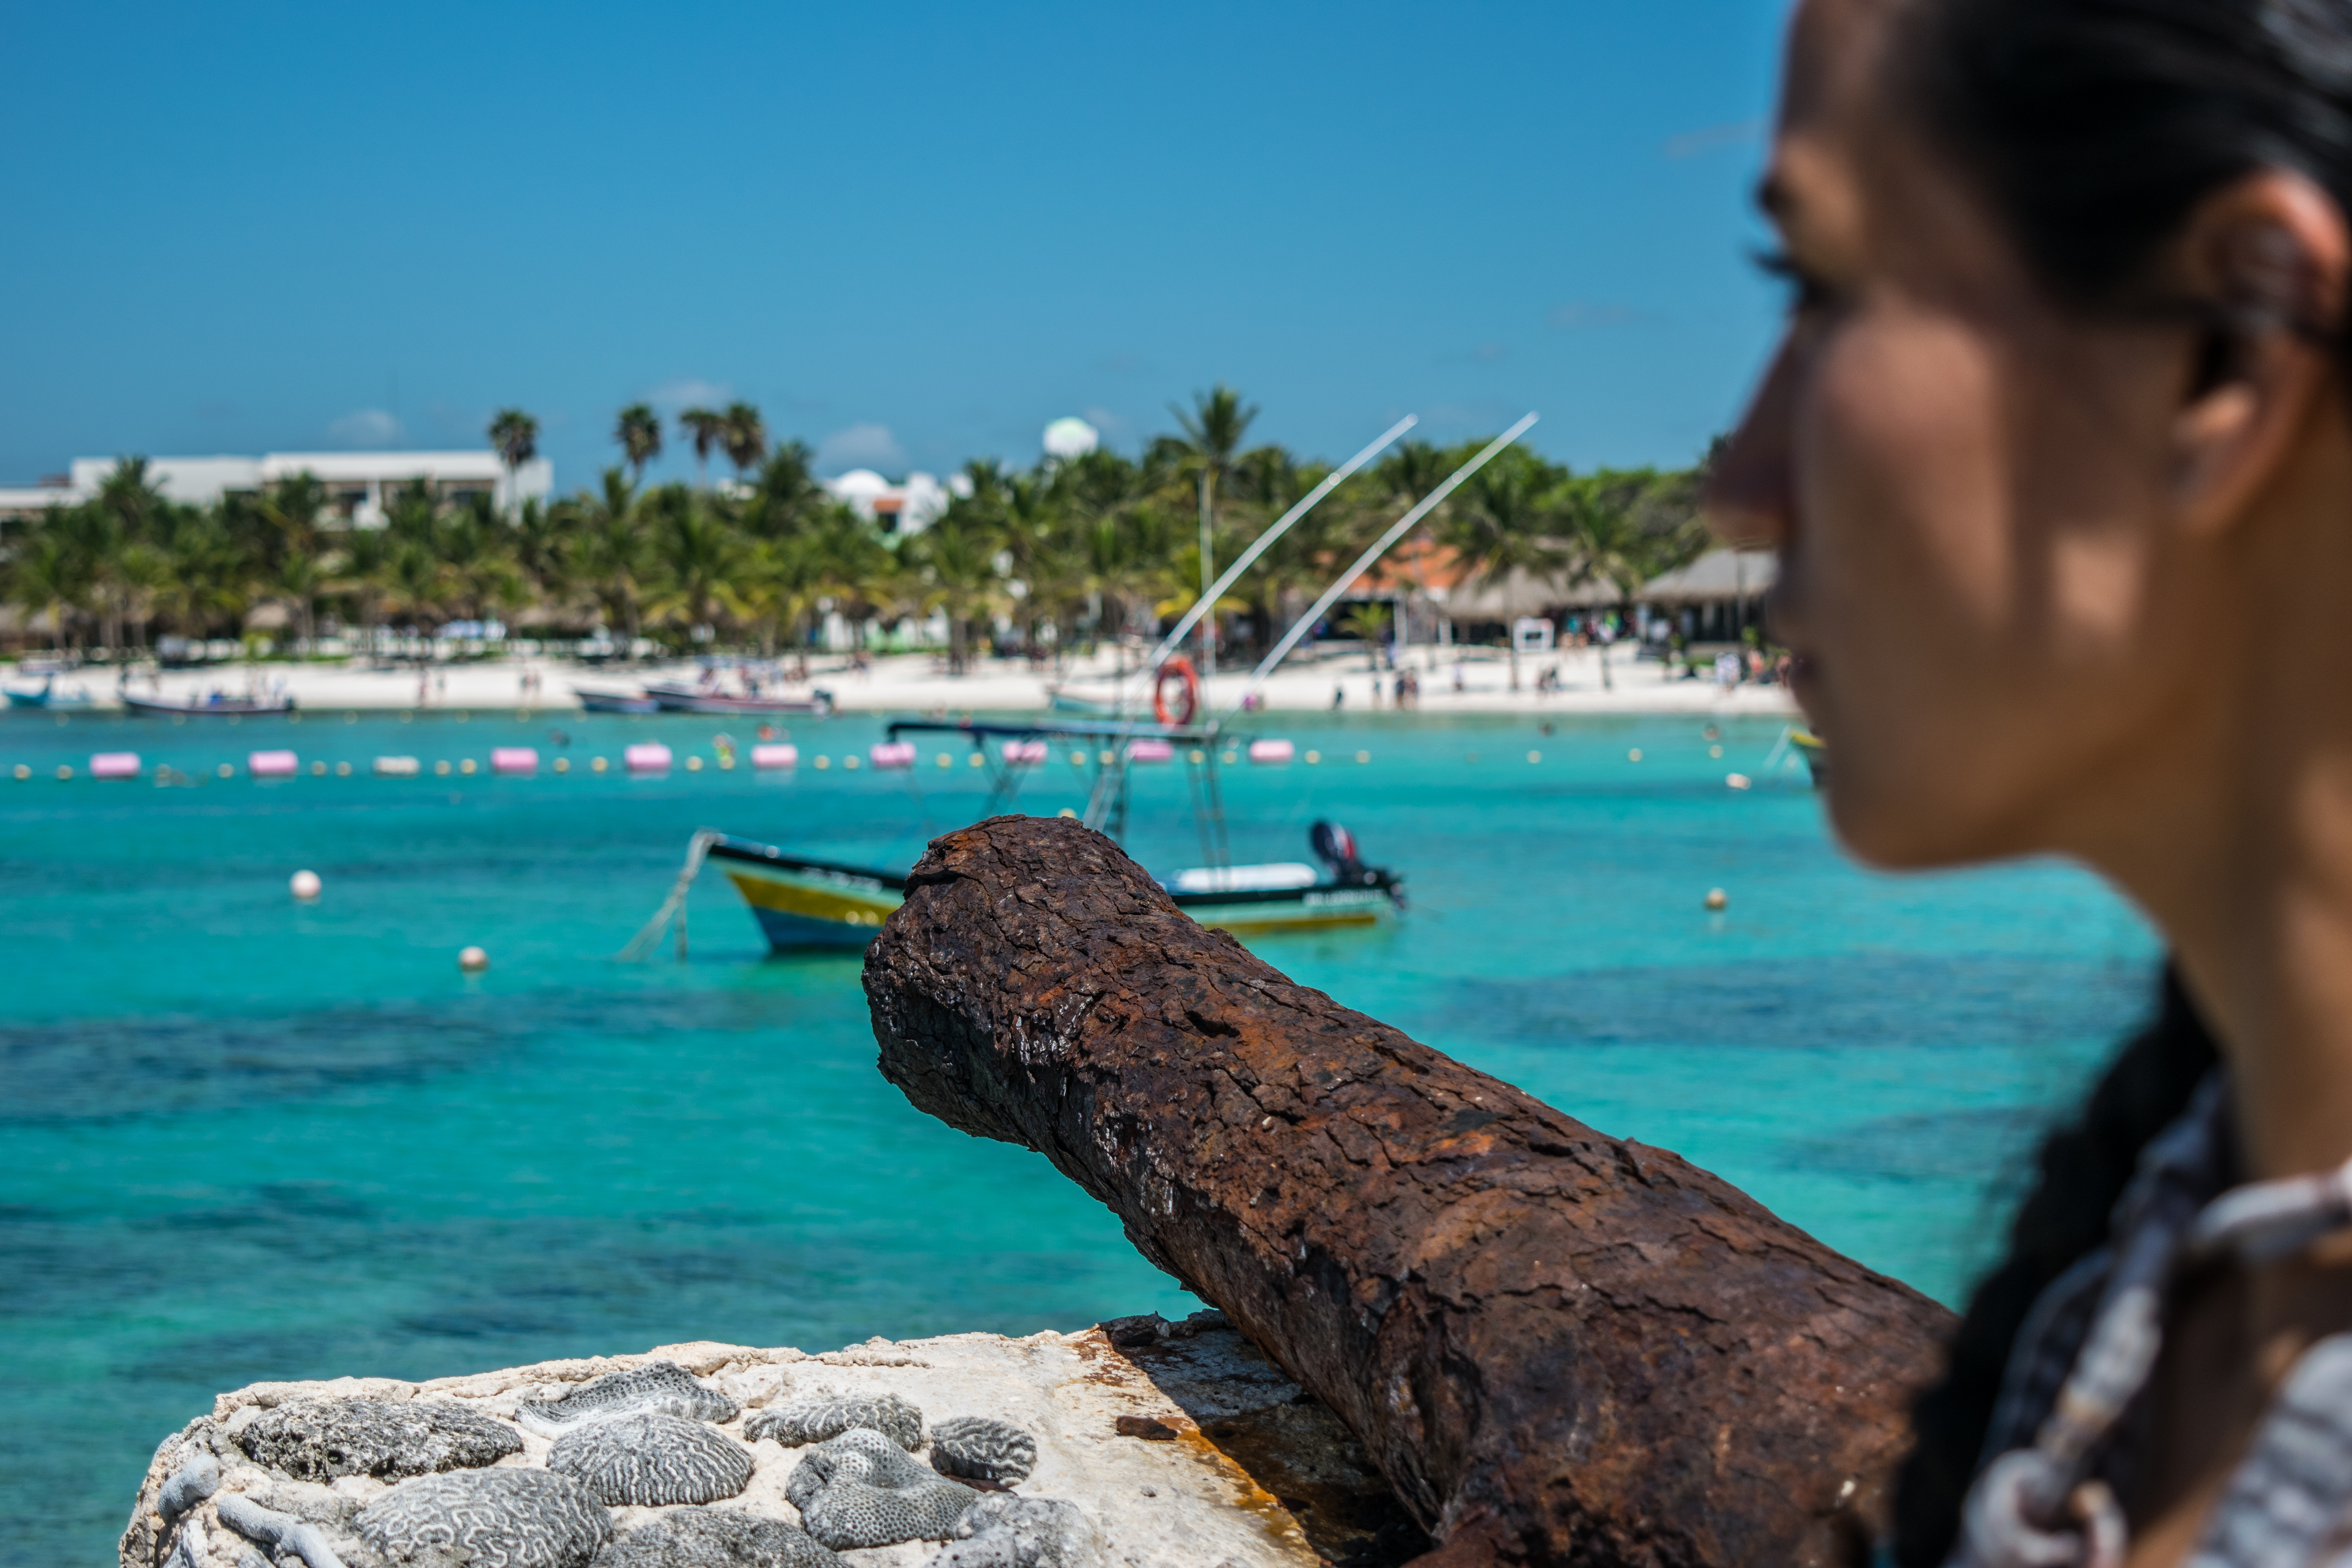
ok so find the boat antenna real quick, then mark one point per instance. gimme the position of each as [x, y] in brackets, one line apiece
[1380, 547]
[1280, 526]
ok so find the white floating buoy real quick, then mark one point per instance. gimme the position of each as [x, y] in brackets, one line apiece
[270, 764]
[1738, 781]
[1634, 755]
[473, 960]
[303, 885]
[1271, 751]
[780, 755]
[514, 759]
[1717, 899]
[114, 764]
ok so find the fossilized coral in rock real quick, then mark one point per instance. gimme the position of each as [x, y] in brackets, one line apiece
[652, 1459]
[1004, 1531]
[816, 1417]
[715, 1538]
[975, 1445]
[501, 1517]
[318, 1439]
[656, 1388]
[861, 1489]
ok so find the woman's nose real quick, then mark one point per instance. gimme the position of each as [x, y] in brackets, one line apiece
[1748, 502]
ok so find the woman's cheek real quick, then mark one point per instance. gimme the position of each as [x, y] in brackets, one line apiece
[1906, 584]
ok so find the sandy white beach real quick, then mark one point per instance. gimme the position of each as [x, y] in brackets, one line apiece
[920, 683]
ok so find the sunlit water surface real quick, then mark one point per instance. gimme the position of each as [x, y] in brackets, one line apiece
[246, 1138]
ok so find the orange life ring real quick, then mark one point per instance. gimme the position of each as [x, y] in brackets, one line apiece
[1180, 668]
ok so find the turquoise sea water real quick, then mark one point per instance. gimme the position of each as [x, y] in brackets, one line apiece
[246, 1137]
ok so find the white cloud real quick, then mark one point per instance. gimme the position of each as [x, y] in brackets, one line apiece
[365, 427]
[860, 446]
[690, 393]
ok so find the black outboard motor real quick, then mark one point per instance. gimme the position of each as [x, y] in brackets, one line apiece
[1336, 847]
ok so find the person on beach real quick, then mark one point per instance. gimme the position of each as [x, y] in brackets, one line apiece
[2066, 388]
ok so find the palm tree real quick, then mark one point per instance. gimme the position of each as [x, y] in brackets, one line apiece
[744, 437]
[516, 436]
[639, 433]
[613, 553]
[696, 552]
[956, 558]
[707, 427]
[1214, 431]
[1508, 519]
[289, 511]
[1368, 619]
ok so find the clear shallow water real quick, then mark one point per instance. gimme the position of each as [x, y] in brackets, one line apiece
[242, 1138]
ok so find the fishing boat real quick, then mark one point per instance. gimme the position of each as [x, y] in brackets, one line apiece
[729, 685]
[803, 902]
[598, 702]
[212, 705]
[1816, 753]
[1062, 700]
[47, 695]
[677, 697]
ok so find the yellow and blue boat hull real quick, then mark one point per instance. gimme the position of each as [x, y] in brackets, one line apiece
[805, 903]
[809, 903]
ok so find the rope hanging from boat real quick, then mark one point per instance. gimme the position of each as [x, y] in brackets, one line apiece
[674, 907]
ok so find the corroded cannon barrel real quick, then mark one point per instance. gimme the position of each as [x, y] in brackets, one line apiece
[1558, 1346]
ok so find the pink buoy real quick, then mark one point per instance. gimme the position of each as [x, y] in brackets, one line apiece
[271, 765]
[646, 757]
[114, 764]
[775, 756]
[892, 754]
[514, 760]
[1150, 750]
[1024, 750]
[1270, 751]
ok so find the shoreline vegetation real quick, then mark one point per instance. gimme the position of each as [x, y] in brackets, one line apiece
[1069, 556]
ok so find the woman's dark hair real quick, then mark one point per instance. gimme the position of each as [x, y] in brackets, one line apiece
[2093, 128]
[2084, 1168]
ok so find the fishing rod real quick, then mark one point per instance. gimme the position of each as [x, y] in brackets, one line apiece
[1258, 546]
[1111, 779]
[1347, 579]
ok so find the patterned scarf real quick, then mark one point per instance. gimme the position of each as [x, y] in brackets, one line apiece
[2056, 1453]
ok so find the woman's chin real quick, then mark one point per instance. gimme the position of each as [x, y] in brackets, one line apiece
[1897, 825]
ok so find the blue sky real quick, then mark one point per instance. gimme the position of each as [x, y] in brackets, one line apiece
[911, 233]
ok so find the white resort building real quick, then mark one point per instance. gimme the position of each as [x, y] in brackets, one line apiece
[906, 508]
[358, 485]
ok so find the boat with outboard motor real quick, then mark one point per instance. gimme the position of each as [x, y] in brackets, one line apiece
[812, 901]
[593, 700]
[47, 695]
[802, 902]
[212, 705]
[677, 697]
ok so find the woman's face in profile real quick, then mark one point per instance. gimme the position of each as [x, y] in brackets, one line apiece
[1965, 482]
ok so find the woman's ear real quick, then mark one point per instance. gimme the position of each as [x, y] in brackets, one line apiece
[2269, 255]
